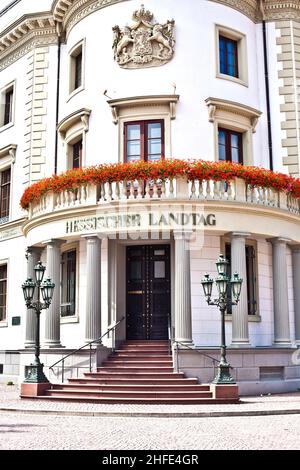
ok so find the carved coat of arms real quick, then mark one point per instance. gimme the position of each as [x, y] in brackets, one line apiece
[144, 43]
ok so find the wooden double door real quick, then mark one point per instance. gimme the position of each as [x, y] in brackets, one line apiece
[148, 292]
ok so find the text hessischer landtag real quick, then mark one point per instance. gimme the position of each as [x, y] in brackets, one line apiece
[115, 221]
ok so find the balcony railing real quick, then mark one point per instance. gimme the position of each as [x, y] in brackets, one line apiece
[179, 189]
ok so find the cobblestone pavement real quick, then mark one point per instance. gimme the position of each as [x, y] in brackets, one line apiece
[20, 431]
[9, 399]
[41, 431]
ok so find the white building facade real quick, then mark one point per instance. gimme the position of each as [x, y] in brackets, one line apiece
[90, 82]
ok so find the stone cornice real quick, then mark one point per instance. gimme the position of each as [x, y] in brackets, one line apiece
[275, 10]
[70, 12]
[250, 113]
[40, 28]
[117, 104]
[77, 116]
[29, 31]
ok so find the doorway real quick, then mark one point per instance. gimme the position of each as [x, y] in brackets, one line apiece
[148, 292]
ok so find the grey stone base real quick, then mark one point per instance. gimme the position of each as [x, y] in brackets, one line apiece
[10, 366]
[74, 366]
[256, 370]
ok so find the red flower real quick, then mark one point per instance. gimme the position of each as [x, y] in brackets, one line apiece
[163, 170]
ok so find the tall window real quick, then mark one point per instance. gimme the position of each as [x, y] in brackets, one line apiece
[68, 283]
[228, 52]
[4, 195]
[77, 154]
[144, 140]
[78, 70]
[251, 277]
[7, 99]
[3, 291]
[76, 67]
[8, 106]
[230, 144]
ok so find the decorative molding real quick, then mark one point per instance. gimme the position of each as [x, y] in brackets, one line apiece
[289, 89]
[144, 43]
[82, 115]
[20, 38]
[215, 104]
[149, 100]
[38, 29]
[10, 151]
[35, 131]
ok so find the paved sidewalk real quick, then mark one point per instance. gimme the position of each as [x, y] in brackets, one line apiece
[33, 424]
[249, 406]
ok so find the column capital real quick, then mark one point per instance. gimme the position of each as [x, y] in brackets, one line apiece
[295, 248]
[182, 234]
[279, 240]
[93, 236]
[238, 234]
[54, 241]
[33, 250]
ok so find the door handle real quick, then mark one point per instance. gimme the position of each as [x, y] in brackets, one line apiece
[135, 292]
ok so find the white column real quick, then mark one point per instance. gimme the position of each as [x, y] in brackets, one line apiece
[93, 288]
[33, 257]
[240, 331]
[183, 313]
[52, 326]
[296, 283]
[280, 292]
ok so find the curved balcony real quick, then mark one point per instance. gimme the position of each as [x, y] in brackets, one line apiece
[240, 203]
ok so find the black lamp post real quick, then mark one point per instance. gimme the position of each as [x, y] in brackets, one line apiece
[222, 281]
[46, 288]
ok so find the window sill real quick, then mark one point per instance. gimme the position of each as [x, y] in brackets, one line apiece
[3, 324]
[73, 319]
[251, 318]
[7, 126]
[239, 81]
[75, 92]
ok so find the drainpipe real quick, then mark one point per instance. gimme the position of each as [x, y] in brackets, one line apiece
[58, 30]
[265, 48]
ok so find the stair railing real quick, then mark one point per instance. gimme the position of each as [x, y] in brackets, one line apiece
[176, 349]
[111, 328]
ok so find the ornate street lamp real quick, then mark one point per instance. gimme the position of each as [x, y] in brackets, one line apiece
[222, 282]
[46, 288]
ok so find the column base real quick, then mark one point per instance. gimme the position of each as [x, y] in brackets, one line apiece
[283, 344]
[240, 344]
[184, 342]
[52, 345]
[29, 345]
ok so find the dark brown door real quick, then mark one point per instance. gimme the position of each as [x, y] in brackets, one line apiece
[148, 299]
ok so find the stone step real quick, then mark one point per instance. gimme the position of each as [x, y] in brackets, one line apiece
[132, 369]
[137, 363]
[132, 387]
[134, 381]
[130, 393]
[142, 356]
[135, 400]
[124, 374]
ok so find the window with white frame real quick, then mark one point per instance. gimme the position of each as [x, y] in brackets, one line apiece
[7, 105]
[231, 55]
[5, 181]
[3, 292]
[76, 81]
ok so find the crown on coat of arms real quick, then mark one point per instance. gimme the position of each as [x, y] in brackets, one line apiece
[142, 15]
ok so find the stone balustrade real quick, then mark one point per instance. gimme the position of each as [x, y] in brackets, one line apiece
[236, 190]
